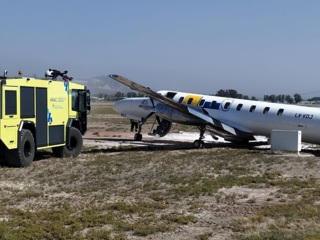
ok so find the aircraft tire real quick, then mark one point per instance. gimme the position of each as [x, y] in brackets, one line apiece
[75, 147]
[22, 156]
[198, 144]
[137, 137]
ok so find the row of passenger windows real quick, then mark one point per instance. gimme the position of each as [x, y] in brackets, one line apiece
[189, 101]
[240, 105]
[200, 104]
[253, 108]
[227, 106]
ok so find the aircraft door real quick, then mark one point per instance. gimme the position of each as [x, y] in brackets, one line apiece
[10, 115]
[226, 104]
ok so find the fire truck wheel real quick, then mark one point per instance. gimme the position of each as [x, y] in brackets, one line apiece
[22, 156]
[74, 149]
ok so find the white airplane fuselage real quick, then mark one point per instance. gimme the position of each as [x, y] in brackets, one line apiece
[249, 116]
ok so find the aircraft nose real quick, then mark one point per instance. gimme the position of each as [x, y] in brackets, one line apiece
[119, 106]
[133, 107]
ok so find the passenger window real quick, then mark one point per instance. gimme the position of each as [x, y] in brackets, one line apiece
[280, 112]
[266, 110]
[181, 99]
[201, 102]
[190, 101]
[239, 106]
[253, 107]
[213, 103]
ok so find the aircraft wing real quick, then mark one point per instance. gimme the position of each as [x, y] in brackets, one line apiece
[190, 111]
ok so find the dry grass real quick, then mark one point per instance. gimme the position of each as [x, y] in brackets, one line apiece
[159, 193]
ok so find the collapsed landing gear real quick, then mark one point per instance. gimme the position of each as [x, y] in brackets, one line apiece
[200, 143]
[162, 129]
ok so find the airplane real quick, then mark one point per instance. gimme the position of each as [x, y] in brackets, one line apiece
[235, 120]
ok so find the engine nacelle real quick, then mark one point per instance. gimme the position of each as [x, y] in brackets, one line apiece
[163, 128]
[172, 115]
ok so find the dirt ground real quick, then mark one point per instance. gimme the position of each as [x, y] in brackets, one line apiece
[162, 188]
[230, 205]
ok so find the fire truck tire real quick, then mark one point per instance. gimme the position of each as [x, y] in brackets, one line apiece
[75, 147]
[22, 156]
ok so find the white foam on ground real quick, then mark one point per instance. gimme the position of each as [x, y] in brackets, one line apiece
[191, 136]
[183, 137]
[187, 136]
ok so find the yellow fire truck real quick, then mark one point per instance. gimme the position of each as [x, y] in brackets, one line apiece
[41, 113]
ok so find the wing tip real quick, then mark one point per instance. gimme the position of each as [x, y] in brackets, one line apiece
[113, 75]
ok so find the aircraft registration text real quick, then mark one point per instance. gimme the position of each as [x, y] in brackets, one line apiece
[306, 116]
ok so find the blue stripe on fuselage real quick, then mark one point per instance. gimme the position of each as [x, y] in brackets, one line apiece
[208, 105]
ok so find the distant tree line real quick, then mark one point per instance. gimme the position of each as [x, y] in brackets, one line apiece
[314, 99]
[231, 93]
[283, 98]
[118, 96]
[269, 98]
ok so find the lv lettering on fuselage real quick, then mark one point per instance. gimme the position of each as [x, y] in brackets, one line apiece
[306, 116]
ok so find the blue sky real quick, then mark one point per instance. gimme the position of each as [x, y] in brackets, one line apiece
[255, 47]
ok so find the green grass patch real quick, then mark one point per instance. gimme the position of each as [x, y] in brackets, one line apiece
[102, 108]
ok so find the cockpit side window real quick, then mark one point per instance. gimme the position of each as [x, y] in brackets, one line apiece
[171, 94]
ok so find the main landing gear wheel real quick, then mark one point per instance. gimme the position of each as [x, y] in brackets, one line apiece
[137, 137]
[198, 144]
